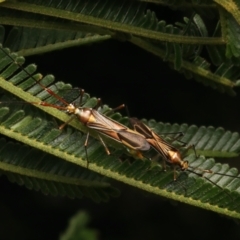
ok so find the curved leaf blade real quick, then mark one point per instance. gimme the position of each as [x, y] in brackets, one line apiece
[66, 145]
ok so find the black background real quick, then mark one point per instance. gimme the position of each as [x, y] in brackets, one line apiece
[119, 72]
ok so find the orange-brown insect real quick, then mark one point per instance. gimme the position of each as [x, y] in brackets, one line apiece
[101, 125]
[105, 126]
[168, 152]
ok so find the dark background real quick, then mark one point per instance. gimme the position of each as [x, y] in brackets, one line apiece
[119, 72]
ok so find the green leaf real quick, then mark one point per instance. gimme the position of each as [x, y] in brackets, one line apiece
[77, 228]
[30, 125]
[208, 141]
[50, 175]
[233, 32]
[30, 41]
[48, 26]
[125, 16]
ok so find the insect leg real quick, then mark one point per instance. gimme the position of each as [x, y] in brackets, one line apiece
[85, 147]
[114, 109]
[67, 122]
[192, 146]
[104, 145]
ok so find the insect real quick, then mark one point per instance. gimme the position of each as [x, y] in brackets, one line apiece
[168, 152]
[102, 126]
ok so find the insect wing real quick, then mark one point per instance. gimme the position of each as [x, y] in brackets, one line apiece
[133, 140]
[140, 127]
[153, 139]
[104, 123]
[119, 132]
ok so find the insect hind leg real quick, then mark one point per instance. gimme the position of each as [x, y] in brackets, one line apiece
[114, 109]
[85, 147]
[104, 145]
[191, 146]
[109, 111]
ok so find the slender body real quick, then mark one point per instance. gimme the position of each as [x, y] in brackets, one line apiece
[170, 153]
[165, 149]
[134, 142]
[112, 129]
[95, 121]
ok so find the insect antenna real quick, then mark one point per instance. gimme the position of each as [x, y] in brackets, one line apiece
[61, 104]
[99, 125]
